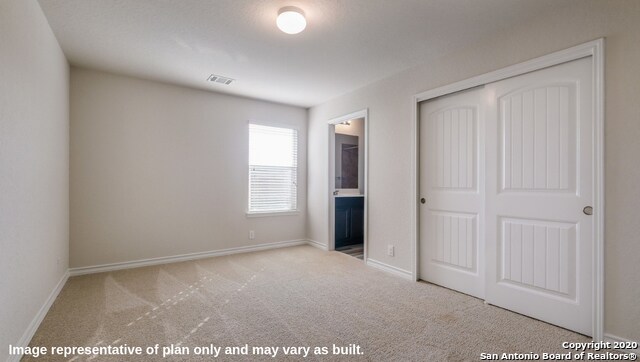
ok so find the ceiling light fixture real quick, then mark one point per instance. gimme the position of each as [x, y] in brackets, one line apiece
[291, 20]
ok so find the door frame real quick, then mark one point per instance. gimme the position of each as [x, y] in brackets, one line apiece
[364, 113]
[593, 49]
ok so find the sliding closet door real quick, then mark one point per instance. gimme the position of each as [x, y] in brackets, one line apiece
[452, 187]
[506, 177]
[540, 169]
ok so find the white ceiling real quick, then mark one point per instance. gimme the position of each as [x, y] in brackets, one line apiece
[347, 43]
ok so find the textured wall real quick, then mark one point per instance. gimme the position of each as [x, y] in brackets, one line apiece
[34, 166]
[160, 170]
[390, 111]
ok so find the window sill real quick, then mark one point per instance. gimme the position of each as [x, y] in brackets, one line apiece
[272, 213]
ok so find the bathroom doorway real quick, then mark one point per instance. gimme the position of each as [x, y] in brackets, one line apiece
[348, 184]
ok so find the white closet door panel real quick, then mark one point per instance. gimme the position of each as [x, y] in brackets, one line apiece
[539, 242]
[451, 181]
[506, 171]
[538, 140]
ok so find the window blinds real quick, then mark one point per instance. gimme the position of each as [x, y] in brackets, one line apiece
[273, 169]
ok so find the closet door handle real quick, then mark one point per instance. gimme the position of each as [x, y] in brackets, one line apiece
[423, 200]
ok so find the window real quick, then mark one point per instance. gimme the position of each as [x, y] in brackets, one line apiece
[273, 169]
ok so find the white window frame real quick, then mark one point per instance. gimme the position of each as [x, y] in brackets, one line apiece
[296, 211]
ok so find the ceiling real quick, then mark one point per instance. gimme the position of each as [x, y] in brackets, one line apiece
[347, 43]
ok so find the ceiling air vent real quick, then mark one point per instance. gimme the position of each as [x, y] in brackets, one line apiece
[220, 79]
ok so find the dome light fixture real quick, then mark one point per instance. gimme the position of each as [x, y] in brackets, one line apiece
[291, 20]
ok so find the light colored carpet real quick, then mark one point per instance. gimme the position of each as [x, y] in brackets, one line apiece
[298, 296]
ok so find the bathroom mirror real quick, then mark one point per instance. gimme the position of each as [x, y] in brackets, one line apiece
[347, 157]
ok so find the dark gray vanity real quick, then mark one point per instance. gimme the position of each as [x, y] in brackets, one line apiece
[349, 220]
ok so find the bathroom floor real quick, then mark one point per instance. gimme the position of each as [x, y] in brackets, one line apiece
[356, 251]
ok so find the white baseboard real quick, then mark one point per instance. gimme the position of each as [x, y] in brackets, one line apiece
[39, 317]
[183, 257]
[318, 244]
[390, 269]
[611, 338]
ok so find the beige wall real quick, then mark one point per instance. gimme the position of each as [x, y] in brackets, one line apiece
[34, 166]
[390, 134]
[160, 170]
